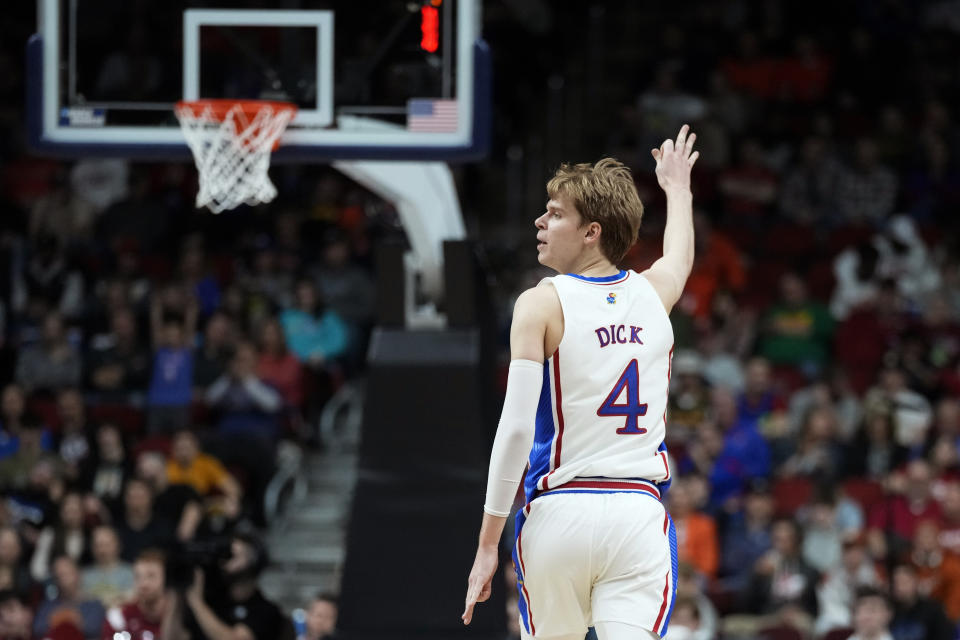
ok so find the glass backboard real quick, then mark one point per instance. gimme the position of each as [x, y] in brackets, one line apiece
[372, 79]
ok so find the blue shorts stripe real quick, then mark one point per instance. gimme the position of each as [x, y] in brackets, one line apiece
[674, 568]
[522, 603]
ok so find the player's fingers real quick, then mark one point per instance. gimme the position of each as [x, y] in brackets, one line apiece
[472, 592]
[485, 593]
[693, 157]
[667, 146]
[688, 147]
[682, 136]
[656, 154]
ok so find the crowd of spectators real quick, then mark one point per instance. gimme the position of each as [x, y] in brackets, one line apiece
[146, 387]
[153, 362]
[148, 380]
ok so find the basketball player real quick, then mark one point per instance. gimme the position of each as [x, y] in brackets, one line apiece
[587, 388]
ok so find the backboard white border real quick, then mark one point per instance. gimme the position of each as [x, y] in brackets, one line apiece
[195, 19]
[49, 136]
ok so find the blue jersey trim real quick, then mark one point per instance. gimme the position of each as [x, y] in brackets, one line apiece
[543, 438]
[664, 487]
[615, 276]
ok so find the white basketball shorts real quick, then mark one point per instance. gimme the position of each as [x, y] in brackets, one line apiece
[587, 555]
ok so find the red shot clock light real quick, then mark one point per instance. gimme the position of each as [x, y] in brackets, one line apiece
[429, 29]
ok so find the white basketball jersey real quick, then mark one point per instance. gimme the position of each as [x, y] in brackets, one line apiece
[604, 396]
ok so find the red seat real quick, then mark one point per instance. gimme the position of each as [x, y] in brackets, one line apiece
[838, 634]
[45, 408]
[723, 598]
[787, 240]
[788, 378]
[200, 415]
[844, 237]
[224, 268]
[156, 267]
[160, 444]
[780, 633]
[766, 275]
[789, 494]
[865, 492]
[763, 284]
[129, 419]
[820, 280]
[860, 342]
[744, 238]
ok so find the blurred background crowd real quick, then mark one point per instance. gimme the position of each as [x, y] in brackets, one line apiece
[157, 363]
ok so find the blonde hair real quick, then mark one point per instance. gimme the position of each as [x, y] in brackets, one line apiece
[603, 193]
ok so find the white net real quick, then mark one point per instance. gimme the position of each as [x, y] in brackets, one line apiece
[233, 152]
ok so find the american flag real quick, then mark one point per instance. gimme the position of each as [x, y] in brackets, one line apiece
[432, 116]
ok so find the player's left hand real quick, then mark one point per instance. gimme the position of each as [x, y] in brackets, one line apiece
[675, 160]
[478, 584]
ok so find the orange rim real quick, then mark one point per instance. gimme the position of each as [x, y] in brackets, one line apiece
[219, 107]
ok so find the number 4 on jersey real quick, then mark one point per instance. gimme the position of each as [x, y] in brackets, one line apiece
[631, 408]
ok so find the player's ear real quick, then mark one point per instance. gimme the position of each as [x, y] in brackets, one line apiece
[593, 231]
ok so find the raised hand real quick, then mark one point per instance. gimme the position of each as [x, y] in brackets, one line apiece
[675, 160]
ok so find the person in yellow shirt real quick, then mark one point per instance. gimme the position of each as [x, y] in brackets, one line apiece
[189, 465]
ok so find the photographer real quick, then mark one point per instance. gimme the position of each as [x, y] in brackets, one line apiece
[232, 607]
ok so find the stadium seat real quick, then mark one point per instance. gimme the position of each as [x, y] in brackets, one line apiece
[45, 408]
[820, 280]
[200, 414]
[788, 241]
[763, 283]
[128, 418]
[225, 267]
[724, 598]
[859, 344]
[743, 237]
[780, 633]
[844, 237]
[160, 444]
[838, 634]
[788, 378]
[156, 267]
[865, 492]
[789, 494]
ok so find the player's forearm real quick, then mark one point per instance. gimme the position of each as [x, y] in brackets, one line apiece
[678, 246]
[511, 446]
[491, 530]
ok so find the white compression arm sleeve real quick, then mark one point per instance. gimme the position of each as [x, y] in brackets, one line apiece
[514, 438]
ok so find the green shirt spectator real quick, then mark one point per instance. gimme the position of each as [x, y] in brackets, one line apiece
[796, 330]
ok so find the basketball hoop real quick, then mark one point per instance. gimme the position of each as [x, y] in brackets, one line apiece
[231, 141]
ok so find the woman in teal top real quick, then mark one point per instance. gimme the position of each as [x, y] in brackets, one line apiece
[315, 334]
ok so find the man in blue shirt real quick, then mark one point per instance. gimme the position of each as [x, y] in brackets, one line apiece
[67, 604]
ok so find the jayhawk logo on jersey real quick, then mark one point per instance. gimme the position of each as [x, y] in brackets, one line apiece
[611, 298]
